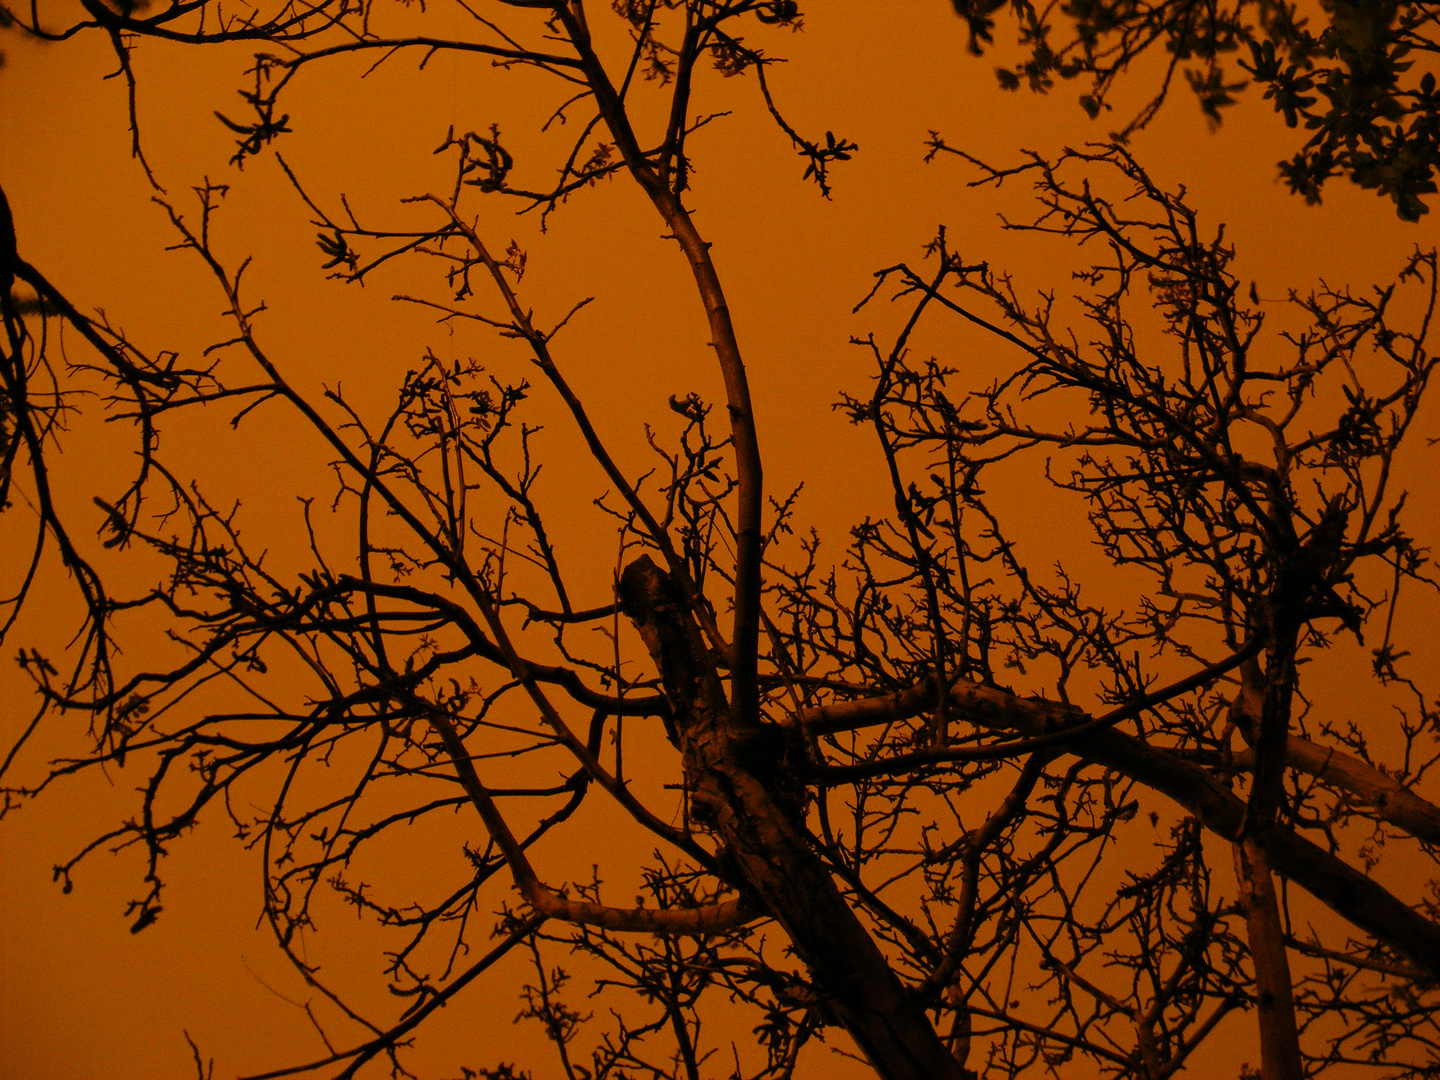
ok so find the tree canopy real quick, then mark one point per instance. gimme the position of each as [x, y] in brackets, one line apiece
[944, 800]
[1358, 78]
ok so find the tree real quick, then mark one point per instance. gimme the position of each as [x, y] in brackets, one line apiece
[1347, 75]
[887, 795]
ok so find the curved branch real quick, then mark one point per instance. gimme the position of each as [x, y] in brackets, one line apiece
[745, 638]
[711, 919]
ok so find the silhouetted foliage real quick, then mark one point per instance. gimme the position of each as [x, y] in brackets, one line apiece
[1357, 78]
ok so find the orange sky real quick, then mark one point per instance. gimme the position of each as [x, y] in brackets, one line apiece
[80, 997]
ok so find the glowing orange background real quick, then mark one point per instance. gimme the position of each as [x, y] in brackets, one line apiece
[79, 996]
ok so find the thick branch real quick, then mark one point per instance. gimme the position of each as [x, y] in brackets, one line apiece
[1275, 1003]
[1390, 800]
[1346, 891]
[745, 640]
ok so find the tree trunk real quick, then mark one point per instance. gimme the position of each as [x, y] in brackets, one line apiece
[737, 783]
[1275, 1005]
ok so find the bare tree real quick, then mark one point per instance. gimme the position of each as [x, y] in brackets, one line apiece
[890, 795]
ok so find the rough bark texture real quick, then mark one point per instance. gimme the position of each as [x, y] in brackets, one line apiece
[763, 840]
